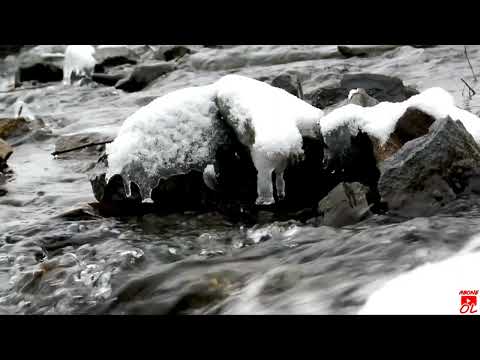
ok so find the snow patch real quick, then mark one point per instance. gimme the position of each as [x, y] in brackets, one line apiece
[431, 289]
[79, 60]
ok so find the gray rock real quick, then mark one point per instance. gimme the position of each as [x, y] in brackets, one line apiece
[430, 171]
[288, 83]
[345, 205]
[361, 98]
[171, 52]
[143, 75]
[68, 142]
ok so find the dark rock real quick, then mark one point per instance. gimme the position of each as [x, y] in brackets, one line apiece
[364, 50]
[380, 87]
[345, 205]
[107, 79]
[326, 97]
[411, 125]
[37, 68]
[143, 75]
[171, 52]
[6, 50]
[430, 171]
[111, 56]
[5, 152]
[288, 83]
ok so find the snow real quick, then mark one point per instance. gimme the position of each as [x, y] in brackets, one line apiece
[169, 133]
[379, 121]
[271, 123]
[431, 289]
[79, 60]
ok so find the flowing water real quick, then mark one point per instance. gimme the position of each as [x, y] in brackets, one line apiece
[58, 256]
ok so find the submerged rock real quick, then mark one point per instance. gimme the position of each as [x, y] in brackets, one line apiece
[143, 75]
[345, 205]
[428, 172]
[288, 83]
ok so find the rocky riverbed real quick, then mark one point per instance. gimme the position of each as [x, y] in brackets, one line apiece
[63, 253]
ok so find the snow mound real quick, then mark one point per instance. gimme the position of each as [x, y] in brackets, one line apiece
[379, 121]
[271, 123]
[431, 289]
[79, 60]
[170, 134]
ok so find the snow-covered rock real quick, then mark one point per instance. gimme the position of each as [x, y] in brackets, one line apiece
[271, 123]
[79, 61]
[182, 130]
[379, 121]
[172, 134]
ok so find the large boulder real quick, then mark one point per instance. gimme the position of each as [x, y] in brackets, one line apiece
[345, 205]
[41, 68]
[430, 171]
[143, 75]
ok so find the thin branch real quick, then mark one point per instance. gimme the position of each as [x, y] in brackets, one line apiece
[471, 67]
[471, 91]
[299, 89]
[55, 153]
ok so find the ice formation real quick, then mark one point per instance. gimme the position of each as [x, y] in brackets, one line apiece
[379, 121]
[431, 289]
[79, 60]
[271, 123]
[169, 134]
[175, 132]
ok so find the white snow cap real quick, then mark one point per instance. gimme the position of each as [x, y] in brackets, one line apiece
[78, 60]
[379, 121]
[431, 289]
[161, 134]
[279, 121]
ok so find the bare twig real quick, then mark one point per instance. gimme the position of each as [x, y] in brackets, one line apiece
[55, 153]
[471, 67]
[299, 89]
[471, 92]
